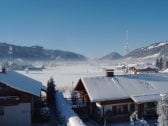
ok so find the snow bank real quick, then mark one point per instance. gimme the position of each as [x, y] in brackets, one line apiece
[165, 71]
[70, 116]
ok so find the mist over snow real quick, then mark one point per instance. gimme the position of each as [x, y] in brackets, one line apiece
[66, 75]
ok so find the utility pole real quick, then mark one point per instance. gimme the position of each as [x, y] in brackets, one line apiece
[126, 46]
[10, 52]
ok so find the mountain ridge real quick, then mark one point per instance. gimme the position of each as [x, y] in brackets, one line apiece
[111, 56]
[152, 51]
[37, 53]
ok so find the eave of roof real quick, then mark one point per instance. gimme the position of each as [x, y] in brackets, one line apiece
[21, 82]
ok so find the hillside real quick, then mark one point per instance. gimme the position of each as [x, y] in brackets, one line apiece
[111, 56]
[155, 50]
[37, 53]
[147, 54]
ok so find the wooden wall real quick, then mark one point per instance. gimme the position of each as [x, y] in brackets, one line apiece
[8, 91]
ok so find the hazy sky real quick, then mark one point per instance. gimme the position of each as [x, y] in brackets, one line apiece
[90, 27]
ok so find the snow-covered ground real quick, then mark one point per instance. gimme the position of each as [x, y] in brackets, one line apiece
[66, 76]
[165, 71]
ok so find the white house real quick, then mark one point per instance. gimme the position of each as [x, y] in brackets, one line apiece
[17, 96]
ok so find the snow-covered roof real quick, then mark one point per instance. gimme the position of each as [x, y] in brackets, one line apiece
[146, 98]
[69, 115]
[21, 82]
[103, 89]
[140, 88]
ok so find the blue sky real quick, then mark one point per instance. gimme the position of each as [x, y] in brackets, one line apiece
[90, 27]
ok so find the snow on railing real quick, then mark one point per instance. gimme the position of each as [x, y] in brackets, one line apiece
[66, 112]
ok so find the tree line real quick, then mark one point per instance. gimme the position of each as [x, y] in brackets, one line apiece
[161, 63]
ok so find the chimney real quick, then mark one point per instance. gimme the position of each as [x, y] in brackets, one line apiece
[3, 70]
[109, 72]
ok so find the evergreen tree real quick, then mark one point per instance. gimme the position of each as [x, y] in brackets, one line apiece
[157, 63]
[161, 63]
[51, 91]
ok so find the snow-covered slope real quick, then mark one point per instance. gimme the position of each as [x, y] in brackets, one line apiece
[152, 51]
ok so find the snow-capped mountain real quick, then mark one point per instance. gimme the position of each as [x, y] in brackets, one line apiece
[37, 53]
[147, 54]
[112, 56]
[152, 51]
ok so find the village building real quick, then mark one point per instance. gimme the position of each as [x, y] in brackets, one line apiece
[18, 95]
[113, 98]
[143, 68]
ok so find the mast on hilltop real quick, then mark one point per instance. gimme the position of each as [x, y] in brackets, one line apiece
[10, 52]
[126, 46]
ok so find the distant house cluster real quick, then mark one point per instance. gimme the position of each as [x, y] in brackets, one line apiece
[138, 68]
[116, 97]
[143, 68]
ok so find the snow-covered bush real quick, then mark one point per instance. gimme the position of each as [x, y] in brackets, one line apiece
[162, 110]
[66, 112]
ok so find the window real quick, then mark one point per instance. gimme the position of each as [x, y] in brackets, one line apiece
[151, 105]
[125, 108]
[150, 108]
[118, 109]
[1, 110]
[132, 107]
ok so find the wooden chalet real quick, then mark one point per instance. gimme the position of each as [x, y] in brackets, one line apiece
[113, 98]
[18, 95]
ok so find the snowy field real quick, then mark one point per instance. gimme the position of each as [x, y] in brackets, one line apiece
[66, 76]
